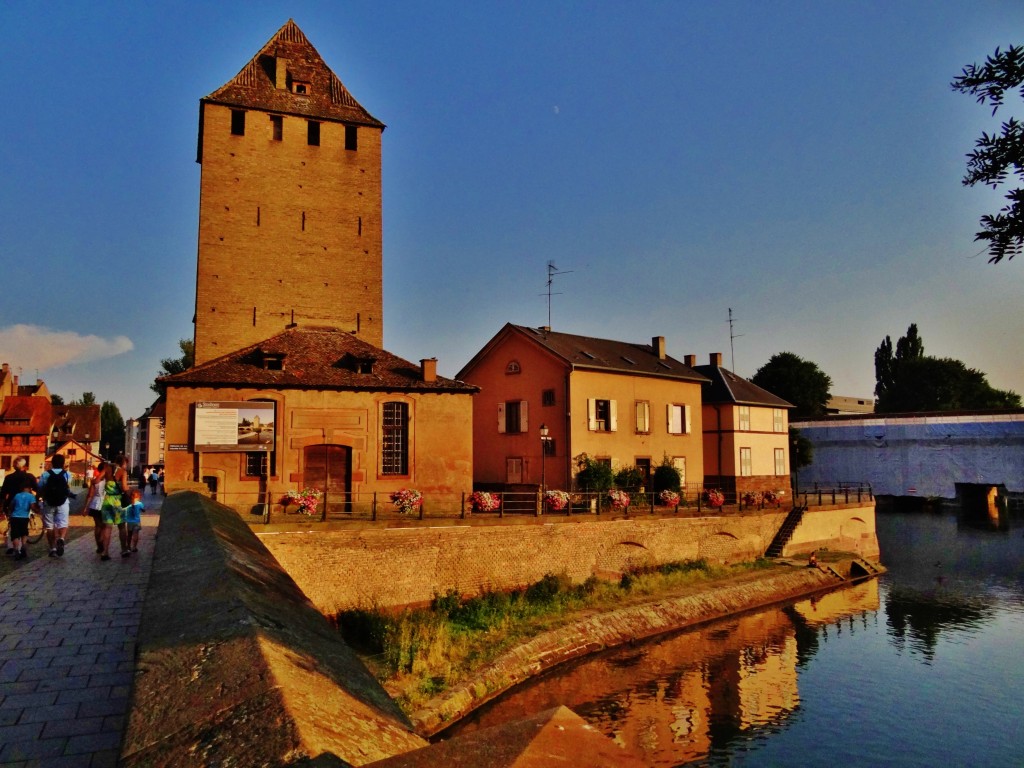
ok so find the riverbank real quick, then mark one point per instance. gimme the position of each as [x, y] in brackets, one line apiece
[637, 617]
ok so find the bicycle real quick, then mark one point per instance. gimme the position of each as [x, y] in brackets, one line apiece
[35, 526]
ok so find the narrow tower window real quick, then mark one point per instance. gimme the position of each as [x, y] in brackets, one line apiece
[257, 215]
[303, 221]
[277, 126]
[238, 122]
[351, 138]
[360, 232]
[313, 133]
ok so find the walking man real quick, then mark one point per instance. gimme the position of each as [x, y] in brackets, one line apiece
[14, 483]
[54, 488]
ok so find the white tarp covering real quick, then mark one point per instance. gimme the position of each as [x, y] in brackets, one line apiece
[917, 456]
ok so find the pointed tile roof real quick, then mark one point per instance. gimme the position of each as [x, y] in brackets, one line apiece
[587, 352]
[727, 387]
[25, 415]
[314, 358]
[77, 422]
[556, 737]
[255, 86]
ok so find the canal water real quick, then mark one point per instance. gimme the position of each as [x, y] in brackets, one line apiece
[923, 667]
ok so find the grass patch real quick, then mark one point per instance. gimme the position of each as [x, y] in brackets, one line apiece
[419, 653]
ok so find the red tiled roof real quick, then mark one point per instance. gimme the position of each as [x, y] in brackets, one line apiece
[727, 387]
[74, 422]
[254, 87]
[587, 352]
[320, 358]
[22, 415]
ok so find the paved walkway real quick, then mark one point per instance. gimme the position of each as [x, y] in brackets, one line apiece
[67, 650]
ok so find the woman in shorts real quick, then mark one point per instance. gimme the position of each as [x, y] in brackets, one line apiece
[114, 488]
[94, 503]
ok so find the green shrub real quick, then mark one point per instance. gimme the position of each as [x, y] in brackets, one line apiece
[593, 475]
[367, 629]
[629, 477]
[666, 476]
[548, 588]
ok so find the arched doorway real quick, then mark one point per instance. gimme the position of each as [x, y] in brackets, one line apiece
[329, 469]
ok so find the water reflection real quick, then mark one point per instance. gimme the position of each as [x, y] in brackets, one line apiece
[694, 694]
[915, 620]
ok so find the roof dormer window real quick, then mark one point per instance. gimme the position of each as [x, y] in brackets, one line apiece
[273, 361]
[300, 88]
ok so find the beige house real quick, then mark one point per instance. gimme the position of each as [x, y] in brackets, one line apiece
[746, 433]
[623, 403]
[335, 414]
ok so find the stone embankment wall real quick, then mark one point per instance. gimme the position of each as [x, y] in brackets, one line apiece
[236, 667]
[848, 528]
[387, 566]
[606, 630]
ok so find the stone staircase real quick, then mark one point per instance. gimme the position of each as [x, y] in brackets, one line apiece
[785, 532]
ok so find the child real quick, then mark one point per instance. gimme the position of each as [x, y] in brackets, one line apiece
[132, 516]
[21, 509]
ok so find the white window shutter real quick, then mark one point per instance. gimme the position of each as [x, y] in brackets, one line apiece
[687, 413]
[591, 414]
[524, 425]
[668, 419]
[613, 414]
[501, 417]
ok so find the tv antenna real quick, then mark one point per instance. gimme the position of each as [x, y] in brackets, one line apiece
[552, 271]
[732, 349]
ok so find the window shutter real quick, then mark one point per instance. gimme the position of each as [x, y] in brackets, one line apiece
[524, 425]
[687, 415]
[613, 414]
[668, 419]
[501, 418]
[591, 414]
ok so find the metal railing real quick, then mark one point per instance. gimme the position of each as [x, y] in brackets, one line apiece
[835, 493]
[377, 506]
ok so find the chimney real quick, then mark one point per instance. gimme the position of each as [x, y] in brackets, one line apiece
[429, 367]
[658, 344]
[716, 359]
[690, 360]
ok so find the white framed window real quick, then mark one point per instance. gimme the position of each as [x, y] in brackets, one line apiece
[512, 417]
[745, 463]
[778, 420]
[643, 416]
[602, 415]
[743, 413]
[678, 419]
[780, 462]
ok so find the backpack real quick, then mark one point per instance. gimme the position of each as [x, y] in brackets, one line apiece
[56, 491]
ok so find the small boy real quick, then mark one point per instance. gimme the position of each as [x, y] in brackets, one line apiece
[21, 509]
[132, 516]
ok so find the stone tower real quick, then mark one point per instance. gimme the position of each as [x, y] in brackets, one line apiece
[290, 203]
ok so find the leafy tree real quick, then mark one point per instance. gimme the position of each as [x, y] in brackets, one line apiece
[799, 381]
[912, 382]
[593, 475]
[171, 365]
[997, 155]
[87, 398]
[56, 399]
[111, 428]
[887, 365]
[801, 450]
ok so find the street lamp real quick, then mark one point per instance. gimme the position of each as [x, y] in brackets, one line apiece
[543, 456]
[796, 467]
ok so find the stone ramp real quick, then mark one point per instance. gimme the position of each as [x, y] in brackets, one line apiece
[556, 737]
[236, 666]
[67, 650]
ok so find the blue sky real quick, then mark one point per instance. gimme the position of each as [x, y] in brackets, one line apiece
[799, 162]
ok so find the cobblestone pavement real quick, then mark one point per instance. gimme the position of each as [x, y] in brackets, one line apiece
[68, 628]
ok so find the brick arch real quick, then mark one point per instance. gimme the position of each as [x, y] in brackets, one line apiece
[621, 556]
[717, 547]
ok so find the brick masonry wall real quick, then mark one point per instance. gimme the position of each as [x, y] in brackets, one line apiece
[340, 569]
[286, 226]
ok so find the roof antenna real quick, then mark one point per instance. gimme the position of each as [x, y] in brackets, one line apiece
[552, 271]
[732, 350]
